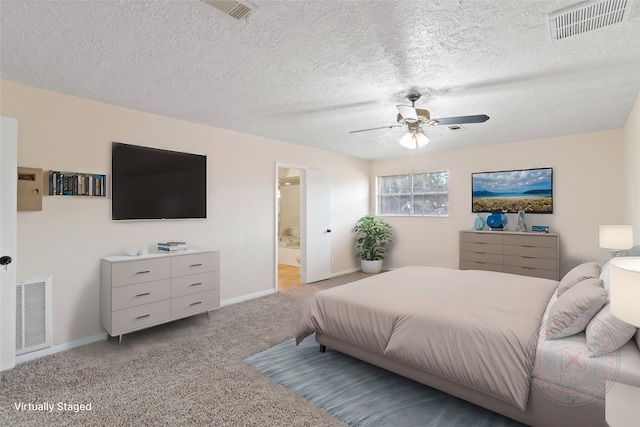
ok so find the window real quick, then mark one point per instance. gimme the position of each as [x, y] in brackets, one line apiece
[417, 194]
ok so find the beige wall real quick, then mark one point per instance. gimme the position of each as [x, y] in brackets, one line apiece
[69, 236]
[588, 175]
[632, 180]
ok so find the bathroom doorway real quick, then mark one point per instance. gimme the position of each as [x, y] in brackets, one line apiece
[288, 222]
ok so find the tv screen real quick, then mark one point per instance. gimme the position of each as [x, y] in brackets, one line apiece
[529, 190]
[150, 183]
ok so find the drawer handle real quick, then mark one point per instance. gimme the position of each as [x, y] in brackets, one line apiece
[196, 265]
[143, 316]
[481, 253]
[142, 272]
[529, 257]
[196, 303]
[196, 284]
[528, 268]
[479, 262]
[528, 246]
[145, 294]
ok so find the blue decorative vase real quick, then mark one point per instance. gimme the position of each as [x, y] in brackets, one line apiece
[497, 221]
[479, 222]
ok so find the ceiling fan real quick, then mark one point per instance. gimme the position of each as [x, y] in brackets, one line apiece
[414, 118]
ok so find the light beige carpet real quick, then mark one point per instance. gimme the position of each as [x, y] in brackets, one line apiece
[188, 372]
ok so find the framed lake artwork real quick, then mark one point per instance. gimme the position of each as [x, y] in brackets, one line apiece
[528, 190]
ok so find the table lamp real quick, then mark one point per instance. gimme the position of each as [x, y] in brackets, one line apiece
[624, 293]
[616, 238]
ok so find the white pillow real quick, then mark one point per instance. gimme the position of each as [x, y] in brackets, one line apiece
[573, 310]
[606, 333]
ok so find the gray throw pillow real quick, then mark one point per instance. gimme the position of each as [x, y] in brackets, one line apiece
[572, 311]
[581, 272]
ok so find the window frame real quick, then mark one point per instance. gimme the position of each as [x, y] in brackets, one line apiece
[411, 194]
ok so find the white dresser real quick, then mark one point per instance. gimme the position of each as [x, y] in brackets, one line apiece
[527, 254]
[143, 291]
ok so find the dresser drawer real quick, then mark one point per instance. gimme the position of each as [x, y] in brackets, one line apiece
[493, 238]
[191, 304]
[475, 265]
[194, 283]
[531, 240]
[141, 316]
[532, 251]
[534, 272]
[529, 262]
[140, 293]
[194, 263]
[480, 257]
[143, 270]
[481, 248]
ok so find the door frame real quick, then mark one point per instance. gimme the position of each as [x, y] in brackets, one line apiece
[8, 240]
[303, 222]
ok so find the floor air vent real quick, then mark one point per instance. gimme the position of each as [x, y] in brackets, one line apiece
[33, 308]
[232, 8]
[588, 16]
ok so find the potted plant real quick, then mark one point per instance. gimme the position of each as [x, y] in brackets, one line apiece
[373, 236]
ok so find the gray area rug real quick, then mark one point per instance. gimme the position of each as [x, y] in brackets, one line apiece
[360, 394]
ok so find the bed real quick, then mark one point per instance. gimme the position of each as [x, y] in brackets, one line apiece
[478, 335]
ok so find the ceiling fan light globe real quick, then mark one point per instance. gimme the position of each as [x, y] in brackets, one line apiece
[421, 139]
[407, 141]
[413, 140]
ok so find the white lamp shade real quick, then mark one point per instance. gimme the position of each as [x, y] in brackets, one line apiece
[413, 140]
[625, 289]
[616, 237]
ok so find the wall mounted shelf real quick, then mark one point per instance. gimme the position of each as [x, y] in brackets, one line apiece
[77, 184]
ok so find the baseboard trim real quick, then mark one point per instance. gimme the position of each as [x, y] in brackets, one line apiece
[58, 348]
[340, 273]
[247, 297]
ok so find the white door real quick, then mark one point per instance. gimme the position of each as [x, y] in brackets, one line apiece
[316, 227]
[8, 208]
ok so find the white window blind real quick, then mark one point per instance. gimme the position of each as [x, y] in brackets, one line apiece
[421, 194]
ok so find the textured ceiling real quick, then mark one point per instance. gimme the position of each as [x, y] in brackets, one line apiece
[308, 72]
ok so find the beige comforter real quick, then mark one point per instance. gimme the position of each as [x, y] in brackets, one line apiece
[475, 328]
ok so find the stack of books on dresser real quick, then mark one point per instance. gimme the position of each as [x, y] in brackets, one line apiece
[172, 246]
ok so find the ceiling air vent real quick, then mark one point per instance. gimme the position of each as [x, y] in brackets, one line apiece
[232, 8]
[588, 16]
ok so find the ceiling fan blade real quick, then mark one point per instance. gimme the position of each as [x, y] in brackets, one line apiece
[462, 120]
[381, 127]
[407, 112]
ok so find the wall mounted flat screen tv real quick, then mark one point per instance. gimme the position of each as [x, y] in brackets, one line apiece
[151, 183]
[529, 190]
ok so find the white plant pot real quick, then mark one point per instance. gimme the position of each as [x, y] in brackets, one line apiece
[371, 266]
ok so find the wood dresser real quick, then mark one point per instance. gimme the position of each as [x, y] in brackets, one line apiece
[143, 291]
[527, 254]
